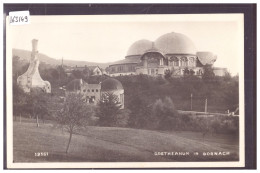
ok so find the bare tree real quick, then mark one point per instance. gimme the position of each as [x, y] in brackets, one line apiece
[74, 115]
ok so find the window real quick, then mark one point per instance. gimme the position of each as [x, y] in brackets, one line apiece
[191, 61]
[152, 71]
[84, 90]
[88, 90]
[92, 90]
[92, 99]
[120, 68]
[96, 90]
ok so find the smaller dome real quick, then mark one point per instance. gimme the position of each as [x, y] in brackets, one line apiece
[139, 47]
[206, 58]
[111, 84]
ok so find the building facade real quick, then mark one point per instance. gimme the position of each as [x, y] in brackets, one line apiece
[172, 52]
[32, 78]
[92, 93]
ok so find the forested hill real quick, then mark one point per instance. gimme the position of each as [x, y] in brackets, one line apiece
[26, 55]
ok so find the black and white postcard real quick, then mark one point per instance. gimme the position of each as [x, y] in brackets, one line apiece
[125, 91]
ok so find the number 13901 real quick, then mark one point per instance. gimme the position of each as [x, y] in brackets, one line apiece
[41, 154]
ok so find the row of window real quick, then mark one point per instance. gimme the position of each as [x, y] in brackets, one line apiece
[181, 63]
[121, 68]
[93, 90]
[152, 71]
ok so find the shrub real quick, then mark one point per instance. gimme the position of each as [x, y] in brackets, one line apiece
[210, 124]
[166, 114]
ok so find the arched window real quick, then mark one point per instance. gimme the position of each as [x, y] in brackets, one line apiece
[191, 61]
[184, 61]
[176, 61]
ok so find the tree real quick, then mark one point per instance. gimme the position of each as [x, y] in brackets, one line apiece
[77, 74]
[108, 109]
[208, 74]
[19, 100]
[140, 116]
[37, 104]
[167, 74]
[186, 71]
[166, 114]
[227, 77]
[192, 72]
[74, 115]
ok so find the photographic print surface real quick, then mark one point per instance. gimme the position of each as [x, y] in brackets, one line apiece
[132, 90]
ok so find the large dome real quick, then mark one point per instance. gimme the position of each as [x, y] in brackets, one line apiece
[139, 47]
[175, 43]
[111, 84]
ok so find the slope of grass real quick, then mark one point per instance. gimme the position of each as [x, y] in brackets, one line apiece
[114, 144]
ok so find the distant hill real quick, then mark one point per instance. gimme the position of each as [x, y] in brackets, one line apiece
[26, 55]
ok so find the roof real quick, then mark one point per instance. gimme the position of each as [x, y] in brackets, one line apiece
[111, 84]
[126, 61]
[206, 58]
[139, 47]
[175, 43]
[92, 67]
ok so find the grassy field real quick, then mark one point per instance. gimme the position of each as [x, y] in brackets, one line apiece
[116, 144]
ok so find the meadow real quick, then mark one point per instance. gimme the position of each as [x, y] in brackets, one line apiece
[106, 144]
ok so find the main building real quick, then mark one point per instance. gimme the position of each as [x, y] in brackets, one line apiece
[173, 52]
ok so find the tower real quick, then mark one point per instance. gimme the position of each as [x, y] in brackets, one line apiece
[31, 78]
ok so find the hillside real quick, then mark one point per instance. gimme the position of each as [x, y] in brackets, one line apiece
[115, 144]
[26, 55]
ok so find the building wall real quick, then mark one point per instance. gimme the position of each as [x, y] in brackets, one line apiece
[91, 93]
[153, 71]
[182, 60]
[220, 71]
[122, 74]
[154, 63]
[122, 68]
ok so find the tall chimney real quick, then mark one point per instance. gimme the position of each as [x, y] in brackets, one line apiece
[34, 45]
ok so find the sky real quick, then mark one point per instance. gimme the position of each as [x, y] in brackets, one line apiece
[107, 39]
